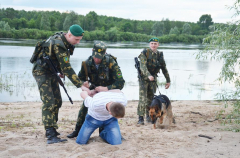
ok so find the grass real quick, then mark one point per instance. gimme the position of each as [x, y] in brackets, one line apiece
[230, 120]
[12, 122]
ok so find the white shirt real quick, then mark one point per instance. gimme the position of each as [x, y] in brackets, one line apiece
[97, 104]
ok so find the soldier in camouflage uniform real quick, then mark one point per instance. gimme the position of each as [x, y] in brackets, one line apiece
[58, 47]
[151, 61]
[103, 72]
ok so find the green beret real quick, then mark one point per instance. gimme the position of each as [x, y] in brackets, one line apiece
[76, 30]
[99, 49]
[154, 39]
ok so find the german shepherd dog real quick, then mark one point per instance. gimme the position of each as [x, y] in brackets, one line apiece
[160, 108]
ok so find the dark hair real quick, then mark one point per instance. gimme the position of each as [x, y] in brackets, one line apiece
[117, 110]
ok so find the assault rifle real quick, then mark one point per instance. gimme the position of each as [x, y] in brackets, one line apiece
[55, 72]
[137, 66]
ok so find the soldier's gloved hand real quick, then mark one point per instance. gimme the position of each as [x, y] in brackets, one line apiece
[167, 85]
[86, 84]
[151, 78]
[101, 89]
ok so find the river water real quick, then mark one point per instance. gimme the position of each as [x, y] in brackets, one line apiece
[191, 79]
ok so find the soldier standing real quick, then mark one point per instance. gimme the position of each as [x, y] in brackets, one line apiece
[58, 47]
[104, 74]
[151, 61]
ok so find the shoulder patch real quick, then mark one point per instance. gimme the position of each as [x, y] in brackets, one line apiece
[66, 59]
[119, 74]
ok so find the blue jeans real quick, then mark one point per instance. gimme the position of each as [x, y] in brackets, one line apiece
[111, 132]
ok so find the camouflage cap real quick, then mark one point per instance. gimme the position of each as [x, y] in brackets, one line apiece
[99, 49]
[76, 30]
[154, 39]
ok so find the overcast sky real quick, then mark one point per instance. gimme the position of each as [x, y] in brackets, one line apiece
[179, 10]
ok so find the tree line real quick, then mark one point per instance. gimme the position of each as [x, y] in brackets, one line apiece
[41, 24]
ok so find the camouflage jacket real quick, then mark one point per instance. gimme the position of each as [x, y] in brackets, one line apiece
[151, 64]
[99, 77]
[60, 54]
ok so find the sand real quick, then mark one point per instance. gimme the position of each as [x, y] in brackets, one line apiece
[22, 134]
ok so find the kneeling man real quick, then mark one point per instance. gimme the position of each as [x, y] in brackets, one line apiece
[104, 108]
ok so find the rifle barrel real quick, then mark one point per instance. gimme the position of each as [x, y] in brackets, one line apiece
[55, 72]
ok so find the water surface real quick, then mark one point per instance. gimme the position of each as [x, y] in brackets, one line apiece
[191, 79]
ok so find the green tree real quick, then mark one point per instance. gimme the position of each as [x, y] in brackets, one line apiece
[196, 29]
[127, 27]
[135, 26]
[223, 44]
[45, 22]
[10, 13]
[23, 23]
[31, 23]
[60, 20]
[112, 34]
[167, 26]
[4, 26]
[38, 21]
[71, 18]
[187, 29]
[15, 23]
[205, 21]
[146, 27]
[174, 31]
[158, 29]
[52, 23]
[91, 21]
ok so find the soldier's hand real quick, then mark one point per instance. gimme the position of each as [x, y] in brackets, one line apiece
[86, 84]
[167, 85]
[84, 94]
[93, 92]
[84, 88]
[151, 78]
[60, 75]
[101, 89]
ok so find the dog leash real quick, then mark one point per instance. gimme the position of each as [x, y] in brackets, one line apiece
[156, 86]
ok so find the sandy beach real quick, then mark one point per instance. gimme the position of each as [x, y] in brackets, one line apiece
[22, 134]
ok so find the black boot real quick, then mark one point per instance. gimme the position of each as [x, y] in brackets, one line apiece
[74, 133]
[52, 136]
[141, 120]
[55, 132]
[148, 118]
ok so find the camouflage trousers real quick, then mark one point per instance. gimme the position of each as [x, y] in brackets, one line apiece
[146, 94]
[81, 115]
[51, 97]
